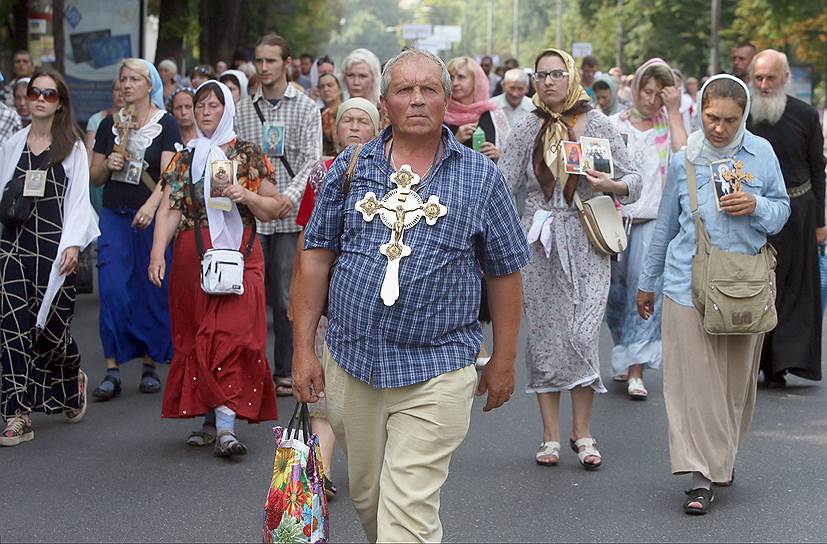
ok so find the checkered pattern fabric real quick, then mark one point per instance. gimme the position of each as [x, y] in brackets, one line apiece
[432, 328]
[9, 123]
[302, 145]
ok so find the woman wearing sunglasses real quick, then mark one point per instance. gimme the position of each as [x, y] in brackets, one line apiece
[38, 255]
[131, 149]
[567, 283]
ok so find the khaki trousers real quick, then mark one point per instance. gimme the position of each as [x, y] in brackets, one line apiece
[709, 386]
[398, 443]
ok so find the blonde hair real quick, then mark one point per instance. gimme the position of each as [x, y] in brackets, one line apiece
[461, 63]
[138, 66]
[364, 55]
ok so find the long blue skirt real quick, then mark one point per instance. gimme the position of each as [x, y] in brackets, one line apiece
[134, 314]
[635, 341]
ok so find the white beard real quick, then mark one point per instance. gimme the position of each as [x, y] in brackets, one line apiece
[768, 109]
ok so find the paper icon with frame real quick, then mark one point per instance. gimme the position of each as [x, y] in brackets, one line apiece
[35, 183]
[597, 155]
[222, 175]
[132, 172]
[572, 157]
[272, 135]
[718, 171]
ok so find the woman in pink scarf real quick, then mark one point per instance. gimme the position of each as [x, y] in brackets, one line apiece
[469, 108]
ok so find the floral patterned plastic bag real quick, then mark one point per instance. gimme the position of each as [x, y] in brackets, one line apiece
[296, 507]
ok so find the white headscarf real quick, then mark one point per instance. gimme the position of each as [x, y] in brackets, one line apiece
[700, 150]
[226, 228]
[242, 80]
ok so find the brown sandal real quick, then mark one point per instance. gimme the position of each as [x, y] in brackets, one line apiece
[284, 387]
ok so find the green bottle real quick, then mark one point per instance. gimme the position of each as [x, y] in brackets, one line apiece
[477, 139]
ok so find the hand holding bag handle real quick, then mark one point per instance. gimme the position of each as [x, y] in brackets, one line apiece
[601, 221]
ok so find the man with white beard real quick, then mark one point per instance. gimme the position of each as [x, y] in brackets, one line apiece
[792, 127]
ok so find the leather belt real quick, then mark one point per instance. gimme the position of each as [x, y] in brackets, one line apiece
[799, 190]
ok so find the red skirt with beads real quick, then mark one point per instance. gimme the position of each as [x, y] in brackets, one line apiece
[219, 341]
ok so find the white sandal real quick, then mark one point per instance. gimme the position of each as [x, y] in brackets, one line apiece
[548, 449]
[636, 389]
[589, 446]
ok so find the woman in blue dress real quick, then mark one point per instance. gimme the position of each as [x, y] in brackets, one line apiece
[131, 150]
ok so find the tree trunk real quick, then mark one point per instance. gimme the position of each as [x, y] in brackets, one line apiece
[219, 19]
[172, 25]
[715, 43]
[21, 24]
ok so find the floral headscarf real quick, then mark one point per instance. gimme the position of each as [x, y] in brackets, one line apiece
[548, 151]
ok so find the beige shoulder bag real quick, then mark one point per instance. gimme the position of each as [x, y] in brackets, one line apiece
[602, 222]
[734, 292]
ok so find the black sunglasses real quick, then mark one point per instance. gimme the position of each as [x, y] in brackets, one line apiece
[49, 95]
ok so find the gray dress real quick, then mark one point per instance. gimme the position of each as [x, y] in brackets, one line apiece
[566, 286]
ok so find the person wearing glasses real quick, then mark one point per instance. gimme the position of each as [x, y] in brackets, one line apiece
[38, 257]
[567, 283]
[128, 157]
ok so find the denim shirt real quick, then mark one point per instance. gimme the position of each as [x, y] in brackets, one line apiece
[432, 328]
[673, 242]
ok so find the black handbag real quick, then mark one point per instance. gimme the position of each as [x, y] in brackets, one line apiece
[15, 209]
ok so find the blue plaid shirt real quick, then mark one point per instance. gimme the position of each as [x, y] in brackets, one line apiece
[432, 328]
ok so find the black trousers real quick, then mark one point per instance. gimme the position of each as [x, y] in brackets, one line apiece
[279, 251]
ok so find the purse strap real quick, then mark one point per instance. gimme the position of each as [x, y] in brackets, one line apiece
[701, 236]
[199, 241]
[351, 167]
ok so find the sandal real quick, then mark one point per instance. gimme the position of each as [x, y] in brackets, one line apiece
[589, 446]
[74, 415]
[636, 389]
[329, 487]
[104, 391]
[198, 439]
[150, 382]
[548, 449]
[701, 496]
[284, 387]
[622, 377]
[230, 447]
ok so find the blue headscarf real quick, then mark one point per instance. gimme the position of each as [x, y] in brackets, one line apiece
[157, 93]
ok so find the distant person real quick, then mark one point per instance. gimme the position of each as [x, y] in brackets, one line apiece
[605, 93]
[330, 93]
[183, 109]
[96, 191]
[487, 65]
[221, 67]
[509, 64]
[513, 101]
[38, 258]
[236, 81]
[742, 55]
[589, 67]
[361, 72]
[792, 127]
[9, 120]
[168, 71]
[201, 73]
[21, 101]
[305, 67]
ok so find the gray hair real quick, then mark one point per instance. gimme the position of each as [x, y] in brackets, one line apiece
[368, 57]
[168, 64]
[516, 75]
[416, 53]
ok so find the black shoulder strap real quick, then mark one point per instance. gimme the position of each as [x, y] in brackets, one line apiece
[282, 158]
[199, 242]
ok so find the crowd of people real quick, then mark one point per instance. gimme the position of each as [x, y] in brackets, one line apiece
[362, 325]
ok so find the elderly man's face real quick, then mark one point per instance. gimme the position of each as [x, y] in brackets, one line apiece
[416, 101]
[769, 75]
[23, 66]
[515, 91]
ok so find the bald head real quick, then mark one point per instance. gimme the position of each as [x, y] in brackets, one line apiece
[770, 72]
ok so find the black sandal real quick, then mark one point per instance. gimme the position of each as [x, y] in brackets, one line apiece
[104, 393]
[702, 496]
[228, 448]
[150, 382]
[329, 487]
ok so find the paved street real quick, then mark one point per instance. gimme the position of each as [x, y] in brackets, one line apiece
[124, 474]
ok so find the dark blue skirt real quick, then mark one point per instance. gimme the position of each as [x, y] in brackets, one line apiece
[134, 314]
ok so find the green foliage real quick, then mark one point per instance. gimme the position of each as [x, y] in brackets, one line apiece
[306, 24]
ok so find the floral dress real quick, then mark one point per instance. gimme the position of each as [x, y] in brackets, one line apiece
[566, 285]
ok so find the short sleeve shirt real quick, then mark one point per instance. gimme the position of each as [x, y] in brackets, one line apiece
[164, 133]
[253, 166]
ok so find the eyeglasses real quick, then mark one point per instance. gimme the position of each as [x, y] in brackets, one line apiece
[49, 95]
[556, 75]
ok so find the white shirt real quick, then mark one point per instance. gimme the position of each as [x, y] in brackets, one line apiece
[513, 114]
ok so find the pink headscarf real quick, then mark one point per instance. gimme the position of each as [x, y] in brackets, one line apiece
[462, 114]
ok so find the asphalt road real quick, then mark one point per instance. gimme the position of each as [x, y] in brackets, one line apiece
[125, 475]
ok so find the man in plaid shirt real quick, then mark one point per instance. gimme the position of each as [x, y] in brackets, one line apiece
[279, 104]
[9, 120]
[399, 379]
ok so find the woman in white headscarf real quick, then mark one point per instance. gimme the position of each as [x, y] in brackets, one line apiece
[709, 382]
[220, 363]
[236, 81]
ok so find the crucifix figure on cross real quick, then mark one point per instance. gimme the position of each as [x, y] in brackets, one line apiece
[737, 176]
[399, 214]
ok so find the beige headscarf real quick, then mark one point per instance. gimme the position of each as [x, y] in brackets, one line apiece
[548, 154]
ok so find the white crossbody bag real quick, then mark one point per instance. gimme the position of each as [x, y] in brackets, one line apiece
[602, 222]
[222, 270]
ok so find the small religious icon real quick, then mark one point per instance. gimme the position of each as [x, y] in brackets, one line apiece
[406, 179]
[35, 183]
[728, 177]
[736, 176]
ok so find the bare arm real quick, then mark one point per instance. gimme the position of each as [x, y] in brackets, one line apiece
[677, 132]
[308, 302]
[166, 223]
[99, 172]
[89, 141]
[505, 299]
